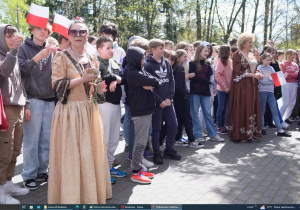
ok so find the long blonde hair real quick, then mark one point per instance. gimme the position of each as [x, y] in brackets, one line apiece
[198, 57]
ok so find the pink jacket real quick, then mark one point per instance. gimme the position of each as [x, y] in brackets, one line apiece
[291, 69]
[223, 75]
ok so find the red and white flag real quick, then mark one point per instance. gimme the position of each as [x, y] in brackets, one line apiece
[61, 25]
[38, 16]
[278, 79]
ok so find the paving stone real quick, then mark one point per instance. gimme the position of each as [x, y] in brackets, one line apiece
[230, 173]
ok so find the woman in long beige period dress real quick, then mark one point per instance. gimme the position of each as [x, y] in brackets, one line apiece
[78, 170]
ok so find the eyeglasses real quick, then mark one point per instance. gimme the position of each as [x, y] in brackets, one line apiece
[81, 33]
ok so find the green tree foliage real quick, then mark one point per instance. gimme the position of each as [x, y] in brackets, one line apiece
[8, 14]
[175, 20]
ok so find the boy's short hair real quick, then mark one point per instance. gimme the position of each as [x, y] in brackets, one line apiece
[234, 49]
[280, 52]
[154, 43]
[269, 49]
[48, 27]
[168, 42]
[181, 45]
[196, 43]
[102, 40]
[214, 44]
[10, 30]
[60, 38]
[233, 41]
[141, 43]
[110, 28]
[167, 54]
[91, 39]
[266, 47]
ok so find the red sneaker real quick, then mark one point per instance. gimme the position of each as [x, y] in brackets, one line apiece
[147, 174]
[140, 178]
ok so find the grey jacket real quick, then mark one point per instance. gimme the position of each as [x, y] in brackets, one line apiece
[266, 84]
[36, 77]
[13, 92]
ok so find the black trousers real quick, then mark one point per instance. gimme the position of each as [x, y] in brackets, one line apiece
[184, 118]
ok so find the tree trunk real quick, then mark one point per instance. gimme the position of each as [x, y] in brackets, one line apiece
[266, 23]
[168, 20]
[212, 23]
[118, 11]
[198, 20]
[255, 17]
[271, 20]
[205, 23]
[243, 17]
[209, 20]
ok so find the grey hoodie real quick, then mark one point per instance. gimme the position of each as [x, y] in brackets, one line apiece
[11, 86]
[266, 84]
[36, 76]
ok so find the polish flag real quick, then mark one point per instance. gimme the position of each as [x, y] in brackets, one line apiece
[278, 79]
[38, 16]
[61, 25]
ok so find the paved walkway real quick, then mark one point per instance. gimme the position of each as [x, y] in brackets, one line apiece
[220, 173]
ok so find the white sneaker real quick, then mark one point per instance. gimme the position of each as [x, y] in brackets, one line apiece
[147, 163]
[200, 140]
[15, 190]
[195, 144]
[217, 138]
[284, 125]
[5, 197]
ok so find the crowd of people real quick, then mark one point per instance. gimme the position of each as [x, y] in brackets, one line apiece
[61, 102]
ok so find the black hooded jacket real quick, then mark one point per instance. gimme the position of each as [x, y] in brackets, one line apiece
[141, 101]
[164, 72]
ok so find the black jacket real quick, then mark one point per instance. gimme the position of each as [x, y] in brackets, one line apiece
[164, 72]
[200, 83]
[181, 91]
[109, 69]
[277, 90]
[141, 101]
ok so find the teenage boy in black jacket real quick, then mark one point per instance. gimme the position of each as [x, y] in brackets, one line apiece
[161, 68]
[141, 103]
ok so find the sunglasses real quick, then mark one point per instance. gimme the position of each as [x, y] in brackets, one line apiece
[81, 33]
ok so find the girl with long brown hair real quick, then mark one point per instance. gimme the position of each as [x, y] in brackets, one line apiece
[200, 94]
[223, 77]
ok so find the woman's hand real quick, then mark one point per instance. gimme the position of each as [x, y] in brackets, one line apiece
[101, 87]
[259, 76]
[86, 77]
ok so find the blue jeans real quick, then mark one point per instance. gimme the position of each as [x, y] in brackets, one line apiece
[128, 129]
[279, 114]
[223, 99]
[36, 139]
[204, 101]
[268, 97]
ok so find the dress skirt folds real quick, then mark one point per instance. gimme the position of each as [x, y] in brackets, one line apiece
[78, 170]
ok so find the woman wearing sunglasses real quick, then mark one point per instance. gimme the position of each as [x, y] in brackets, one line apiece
[79, 171]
